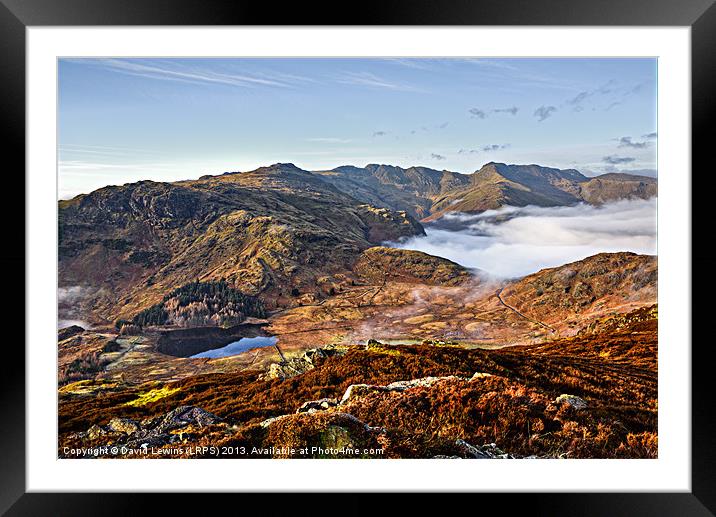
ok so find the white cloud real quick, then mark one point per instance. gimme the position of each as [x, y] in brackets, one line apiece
[513, 242]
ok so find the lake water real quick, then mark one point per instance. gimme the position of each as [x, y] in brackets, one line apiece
[240, 346]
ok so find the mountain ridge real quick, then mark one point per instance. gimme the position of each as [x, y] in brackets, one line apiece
[428, 194]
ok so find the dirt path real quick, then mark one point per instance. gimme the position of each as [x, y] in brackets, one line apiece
[516, 311]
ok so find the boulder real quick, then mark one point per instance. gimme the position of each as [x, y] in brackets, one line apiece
[124, 425]
[480, 375]
[574, 401]
[184, 416]
[290, 368]
[299, 365]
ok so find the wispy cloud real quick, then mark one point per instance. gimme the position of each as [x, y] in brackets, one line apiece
[78, 166]
[616, 160]
[481, 113]
[494, 147]
[604, 89]
[380, 133]
[416, 63]
[371, 80]
[71, 150]
[426, 129]
[605, 97]
[544, 112]
[484, 149]
[512, 111]
[649, 135]
[330, 140]
[626, 141]
[180, 72]
[436, 156]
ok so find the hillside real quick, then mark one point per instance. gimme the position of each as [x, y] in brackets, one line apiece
[275, 231]
[581, 397]
[571, 294]
[612, 187]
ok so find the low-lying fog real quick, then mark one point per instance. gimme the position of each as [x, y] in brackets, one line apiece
[513, 242]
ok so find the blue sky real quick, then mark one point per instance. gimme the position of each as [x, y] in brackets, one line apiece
[123, 120]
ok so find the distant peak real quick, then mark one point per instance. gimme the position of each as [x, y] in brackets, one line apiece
[286, 165]
[279, 168]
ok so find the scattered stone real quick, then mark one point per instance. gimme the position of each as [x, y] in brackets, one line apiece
[480, 375]
[574, 401]
[317, 405]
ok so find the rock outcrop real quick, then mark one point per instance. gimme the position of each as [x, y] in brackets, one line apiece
[294, 366]
[163, 430]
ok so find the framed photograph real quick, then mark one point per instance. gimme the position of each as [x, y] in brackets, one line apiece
[271, 253]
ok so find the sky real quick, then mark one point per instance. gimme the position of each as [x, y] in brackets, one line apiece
[124, 120]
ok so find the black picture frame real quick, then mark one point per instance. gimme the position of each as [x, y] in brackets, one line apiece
[17, 15]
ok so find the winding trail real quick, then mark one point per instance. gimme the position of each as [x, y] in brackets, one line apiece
[498, 294]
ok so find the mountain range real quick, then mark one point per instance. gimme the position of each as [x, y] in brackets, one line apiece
[282, 232]
[427, 194]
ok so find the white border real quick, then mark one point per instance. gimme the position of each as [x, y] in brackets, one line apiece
[670, 472]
